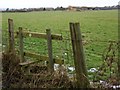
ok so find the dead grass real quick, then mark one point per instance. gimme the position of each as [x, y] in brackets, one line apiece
[39, 77]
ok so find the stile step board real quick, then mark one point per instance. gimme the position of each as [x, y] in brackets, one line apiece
[40, 58]
[43, 58]
[27, 63]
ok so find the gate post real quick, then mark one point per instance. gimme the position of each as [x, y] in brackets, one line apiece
[21, 52]
[79, 60]
[49, 43]
[11, 35]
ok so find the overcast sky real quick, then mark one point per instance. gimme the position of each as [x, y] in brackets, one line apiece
[54, 3]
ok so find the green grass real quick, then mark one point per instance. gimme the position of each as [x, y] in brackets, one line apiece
[95, 25]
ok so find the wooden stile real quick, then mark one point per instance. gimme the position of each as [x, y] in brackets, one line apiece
[22, 34]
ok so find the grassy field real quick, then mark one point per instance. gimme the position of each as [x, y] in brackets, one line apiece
[96, 27]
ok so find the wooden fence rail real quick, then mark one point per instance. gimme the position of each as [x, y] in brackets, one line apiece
[39, 35]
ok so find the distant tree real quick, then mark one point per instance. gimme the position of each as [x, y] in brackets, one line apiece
[61, 7]
[44, 9]
[7, 9]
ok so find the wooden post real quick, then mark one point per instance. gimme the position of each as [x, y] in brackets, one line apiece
[21, 52]
[80, 48]
[49, 43]
[118, 62]
[11, 35]
[79, 60]
[119, 45]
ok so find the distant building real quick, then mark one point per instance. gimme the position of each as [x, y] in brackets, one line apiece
[49, 9]
[72, 8]
[84, 8]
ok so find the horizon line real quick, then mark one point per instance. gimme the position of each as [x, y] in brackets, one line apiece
[55, 7]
